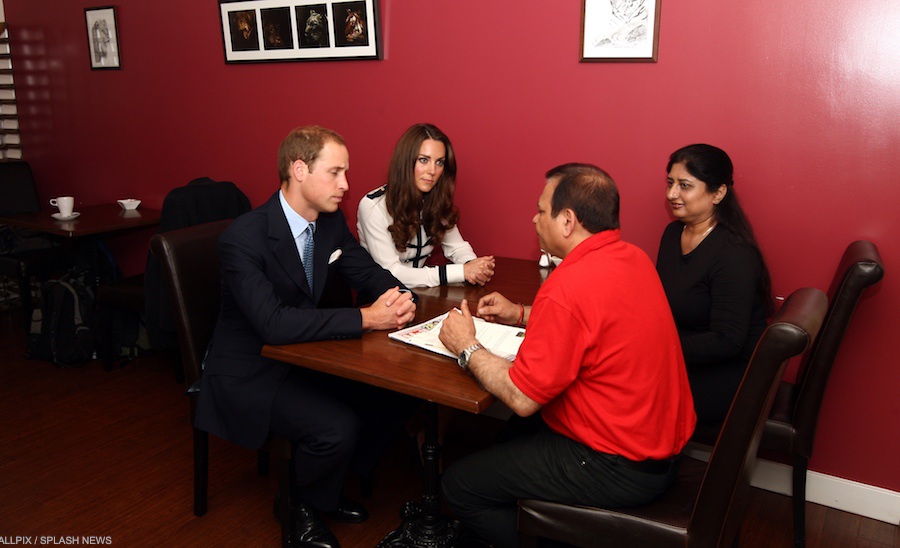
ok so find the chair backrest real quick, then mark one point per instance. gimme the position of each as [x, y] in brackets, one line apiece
[191, 270]
[18, 193]
[720, 504]
[860, 268]
[200, 201]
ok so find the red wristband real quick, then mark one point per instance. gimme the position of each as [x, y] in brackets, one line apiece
[521, 314]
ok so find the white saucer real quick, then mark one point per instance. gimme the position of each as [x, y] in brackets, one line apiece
[60, 217]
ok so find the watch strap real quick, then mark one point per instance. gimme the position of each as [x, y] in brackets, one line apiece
[466, 355]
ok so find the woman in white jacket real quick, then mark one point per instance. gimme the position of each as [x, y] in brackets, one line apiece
[401, 222]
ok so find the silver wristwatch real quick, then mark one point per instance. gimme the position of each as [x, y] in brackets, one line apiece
[466, 355]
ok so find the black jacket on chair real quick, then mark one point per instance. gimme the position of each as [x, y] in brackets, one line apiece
[266, 300]
[200, 201]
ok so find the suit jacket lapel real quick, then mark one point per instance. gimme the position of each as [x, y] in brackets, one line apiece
[284, 246]
[325, 235]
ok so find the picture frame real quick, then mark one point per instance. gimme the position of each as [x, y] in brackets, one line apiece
[103, 38]
[255, 31]
[620, 30]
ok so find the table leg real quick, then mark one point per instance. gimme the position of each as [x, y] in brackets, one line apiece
[423, 524]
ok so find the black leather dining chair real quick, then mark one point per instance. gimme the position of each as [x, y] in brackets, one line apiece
[191, 270]
[18, 193]
[705, 505]
[791, 427]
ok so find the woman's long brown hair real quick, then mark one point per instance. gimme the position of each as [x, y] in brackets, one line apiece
[405, 202]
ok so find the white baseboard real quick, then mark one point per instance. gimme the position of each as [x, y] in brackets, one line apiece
[831, 491]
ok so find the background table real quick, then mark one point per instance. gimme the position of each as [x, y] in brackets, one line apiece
[93, 220]
[380, 361]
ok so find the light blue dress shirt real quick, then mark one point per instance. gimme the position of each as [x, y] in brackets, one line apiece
[297, 224]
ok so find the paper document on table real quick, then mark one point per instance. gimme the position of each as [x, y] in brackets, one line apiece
[501, 340]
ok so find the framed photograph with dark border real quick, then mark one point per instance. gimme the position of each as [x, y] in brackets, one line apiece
[620, 30]
[256, 31]
[103, 37]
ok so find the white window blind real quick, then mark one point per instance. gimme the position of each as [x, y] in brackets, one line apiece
[10, 143]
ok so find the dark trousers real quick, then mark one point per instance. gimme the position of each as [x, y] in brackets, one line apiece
[483, 489]
[337, 425]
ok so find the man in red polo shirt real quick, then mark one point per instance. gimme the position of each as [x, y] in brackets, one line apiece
[601, 361]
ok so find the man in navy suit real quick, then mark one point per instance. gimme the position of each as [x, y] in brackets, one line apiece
[268, 298]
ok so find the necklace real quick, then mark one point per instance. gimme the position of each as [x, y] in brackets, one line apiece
[698, 239]
[705, 232]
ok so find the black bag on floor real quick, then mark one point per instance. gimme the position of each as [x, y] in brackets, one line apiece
[62, 328]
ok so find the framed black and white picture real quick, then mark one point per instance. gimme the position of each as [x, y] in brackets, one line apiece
[103, 37]
[299, 30]
[620, 30]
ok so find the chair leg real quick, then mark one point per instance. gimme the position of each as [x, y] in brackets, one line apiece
[107, 326]
[262, 463]
[179, 368]
[367, 487]
[799, 500]
[201, 471]
[25, 300]
[285, 483]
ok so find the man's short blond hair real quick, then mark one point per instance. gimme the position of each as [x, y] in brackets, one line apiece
[304, 143]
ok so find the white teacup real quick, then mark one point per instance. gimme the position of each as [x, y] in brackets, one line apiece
[65, 204]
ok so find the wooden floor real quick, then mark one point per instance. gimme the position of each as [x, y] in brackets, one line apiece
[84, 452]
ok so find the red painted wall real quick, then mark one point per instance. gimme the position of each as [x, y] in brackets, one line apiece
[804, 96]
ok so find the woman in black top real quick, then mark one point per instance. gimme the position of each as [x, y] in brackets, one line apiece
[714, 275]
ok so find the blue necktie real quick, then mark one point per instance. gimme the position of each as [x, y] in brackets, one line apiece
[308, 255]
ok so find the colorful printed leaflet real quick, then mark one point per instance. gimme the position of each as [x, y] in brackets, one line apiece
[501, 340]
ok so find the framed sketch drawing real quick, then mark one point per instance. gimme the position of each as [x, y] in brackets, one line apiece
[299, 30]
[620, 30]
[103, 37]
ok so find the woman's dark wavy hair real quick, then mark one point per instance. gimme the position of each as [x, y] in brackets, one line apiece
[713, 167]
[404, 201]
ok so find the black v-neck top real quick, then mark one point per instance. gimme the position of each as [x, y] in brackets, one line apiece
[713, 295]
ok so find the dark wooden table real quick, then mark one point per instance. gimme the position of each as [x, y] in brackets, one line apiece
[377, 360]
[93, 220]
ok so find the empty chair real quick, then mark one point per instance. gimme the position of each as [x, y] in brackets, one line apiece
[125, 295]
[705, 505]
[17, 190]
[191, 270]
[200, 201]
[791, 427]
[25, 254]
